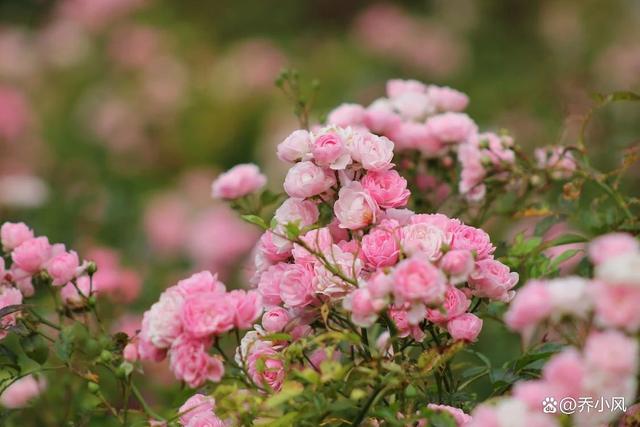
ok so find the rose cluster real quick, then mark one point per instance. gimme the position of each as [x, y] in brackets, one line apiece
[185, 322]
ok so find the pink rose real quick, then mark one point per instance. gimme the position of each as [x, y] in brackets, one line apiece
[380, 248]
[446, 99]
[247, 306]
[396, 87]
[387, 188]
[423, 239]
[295, 147]
[417, 280]
[70, 295]
[274, 247]
[465, 327]
[616, 305]
[130, 352]
[612, 352]
[198, 283]
[472, 173]
[238, 181]
[147, 351]
[305, 179]
[265, 367]
[566, 371]
[196, 404]
[13, 235]
[611, 245]
[355, 208]
[531, 305]
[327, 283]
[455, 304]
[63, 267]
[190, 362]
[373, 152]
[452, 127]
[360, 303]
[275, 320]
[458, 264]
[301, 212]
[162, 324]
[207, 313]
[473, 239]
[32, 254]
[205, 420]
[329, 151]
[401, 320]
[533, 392]
[347, 115]
[22, 391]
[380, 117]
[8, 296]
[318, 240]
[297, 286]
[458, 415]
[413, 105]
[492, 279]
[410, 135]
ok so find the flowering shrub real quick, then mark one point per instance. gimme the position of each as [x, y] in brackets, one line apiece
[372, 280]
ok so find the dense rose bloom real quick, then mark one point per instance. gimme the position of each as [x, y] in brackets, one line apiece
[18, 394]
[269, 284]
[363, 307]
[465, 327]
[611, 245]
[387, 188]
[63, 267]
[621, 269]
[238, 181]
[200, 282]
[380, 117]
[417, 280]
[305, 179]
[458, 264]
[296, 146]
[70, 295]
[162, 323]
[380, 247]
[492, 279]
[196, 404]
[275, 319]
[8, 296]
[447, 99]
[318, 240]
[458, 415]
[452, 127]
[455, 304]
[616, 305]
[13, 235]
[473, 239]
[355, 208]
[270, 372]
[32, 254]
[405, 328]
[613, 352]
[299, 211]
[328, 283]
[347, 115]
[424, 239]
[373, 152]
[190, 362]
[297, 286]
[207, 313]
[247, 306]
[274, 247]
[531, 304]
[330, 151]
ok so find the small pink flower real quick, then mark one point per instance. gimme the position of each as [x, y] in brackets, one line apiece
[417, 280]
[162, 323]
[275, 320]
[305, 179]
[22, 391]
[465, 327]
[360, 303]
[14, 234]
[32, 254]
[190, 362]
[201, 282]
[455, 304]
[8, 296]
[557, 160]
[458, 264]
[238, 182]
[424, 239]
[372, 152]
[207, 313]
[414, 106]
[611, 245]
[380, 117]
[247, 306]
[531, 305]
[298, 211]
[396, 87]
[412, 135]
[269, 284]
[387, 188]
[205, 420]
[297, 286]
[269, 373]
[612, 352]
[196, 404]
[330, 151]
[130, 352]
[473, 239]
[274, 247]
[447, 99]
[295, 147]
[401, 320]
[566, 372]
[616, 305]
[347, 115]
[147, 351]
[318, 240]
[458, 415]
[492, 279]
[70, 295]
[63, 267]
[355, 208]
[452, 127]
[381, 248]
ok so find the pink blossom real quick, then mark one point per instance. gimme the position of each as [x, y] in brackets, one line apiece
[274, 247]
[32, 254]
[473, 239]
[347, 115]
[473, 172]
[305, 179]
[162, 323]
[613, 352]
[355, 208]
[380, 247]
[190, 362]
[22, 391]
[611, 245]
[447, 99]
[198, 283]
[387, 188]
[411, 135]
[458, 264]
[207, 313]
[295, 147]
[76, 296]
[396, 87]
[318, 240]
[373, 152]
[130, 352]
[147, 351]
[329, 284]
[533, 392]
[238, 181]
[492, 279]
[424, 239]
[205, 419]
[455, 304]
[15, 114]
[269, 284]
[458, 415]
[621, 269]
[298, 211]
[616, 305]
[417, 280]
[330, 151]
[360, 303]
[566, 372]
[452, 127]
[413, 105]
[270, 372]
[8, 297]
[557, 160]
[14, 234]
[531, 305]
[405, 329]
[275, 320]
[247, 306]
[465, 327]
[297, 286]
[196, 404]
[63, 267]
[380, 117]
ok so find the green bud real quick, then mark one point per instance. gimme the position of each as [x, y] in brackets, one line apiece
[92, 267]
[105, 356]
[93, 387]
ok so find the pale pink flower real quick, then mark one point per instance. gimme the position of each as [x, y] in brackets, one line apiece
[196, 404]
[531, 305]
[387, 188]
[381, 246]
[207, 313]
[8, 297]
[465, 327]
[611, 245]
[412, 135]
[329, 284]
[405, 328]
[130, 352]
[148, 351]
[270, 372]
[238, 181]
[274, 247]
[472, 174]
[417, 280]
[305, 179]
[612, 352]
[22, 391]
[205, 420]
[458, 264]
[347, 115]
[275, 320]
[473, 239]
[447, 99]
[269, 284]
[360, 303]
[32, 254]
[247, 306]
[455, 303]
[297, 211]
[373, 152]
[380, 117]
[198, 283]
[414, 106]
[621, 269]
[63, 267]
[15, 113]
[566, 372]
[297, 286]
[569, 296]
[423, 239]
[318, 240]
[330, 151]
[397, 87]
[14, 234]
[458, 415]
[492, 279]
[355, 208]
[616, 306]
[295, 147]
[190, 362]
[452, 127]
[76, 296]
[162, 324]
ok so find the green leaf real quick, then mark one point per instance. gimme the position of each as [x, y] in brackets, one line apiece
[7, 356]
[255, 219]
[277, 336]
[286, 420]
[35, 347]
[570, 253]
[290, 389]
[293, 231]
